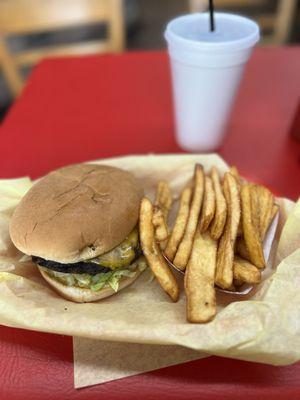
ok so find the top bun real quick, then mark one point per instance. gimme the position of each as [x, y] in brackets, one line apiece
[76, 213]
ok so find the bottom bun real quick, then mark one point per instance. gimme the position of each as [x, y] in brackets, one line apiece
[83, 295]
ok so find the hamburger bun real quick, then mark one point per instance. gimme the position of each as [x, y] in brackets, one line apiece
[76, 213]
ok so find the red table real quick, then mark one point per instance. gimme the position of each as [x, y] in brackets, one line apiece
[78, 109]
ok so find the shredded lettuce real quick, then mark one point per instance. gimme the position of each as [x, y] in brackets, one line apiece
[110, 278]
[66, 279]
[115, 279]
[114, 283]
[98, 281]
[83, 280]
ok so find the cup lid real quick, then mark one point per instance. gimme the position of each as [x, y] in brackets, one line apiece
[232, 32]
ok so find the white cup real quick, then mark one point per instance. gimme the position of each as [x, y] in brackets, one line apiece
[206, 71]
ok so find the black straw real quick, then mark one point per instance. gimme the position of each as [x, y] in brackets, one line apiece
[212, 16]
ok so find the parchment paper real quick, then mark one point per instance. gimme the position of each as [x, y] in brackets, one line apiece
[96, 361]
[264, 327]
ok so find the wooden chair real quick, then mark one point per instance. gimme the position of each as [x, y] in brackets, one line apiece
[22, 17]
[279, 23]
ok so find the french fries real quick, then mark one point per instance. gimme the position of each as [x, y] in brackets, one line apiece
[209, 205]
[219, 220]
[159, 222]
[153, 253]
[185, 247]
[180, 223]
[217, 237]
[251, 225]
[234, 171]
[245, 272]
[199, 279]
[164, 197]
[162, 206]
[255, 208]
[266, 201]
[225, 253]
[267, 212]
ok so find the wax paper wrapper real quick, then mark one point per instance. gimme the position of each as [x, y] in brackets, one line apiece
[97, 361]
[263, 326]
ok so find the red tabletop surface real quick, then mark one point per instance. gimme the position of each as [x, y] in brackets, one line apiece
[79, 109]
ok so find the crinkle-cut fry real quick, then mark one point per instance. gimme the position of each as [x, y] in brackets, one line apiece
[218, 223]
[185, 246]
[153, 253]
[250, 228]
[199, 279]
[161, 229]
[180, 223]
[208, 206]
[225, 253]
[164, 197]
[244, 271]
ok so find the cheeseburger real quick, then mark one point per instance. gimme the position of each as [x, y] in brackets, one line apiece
[79, 225]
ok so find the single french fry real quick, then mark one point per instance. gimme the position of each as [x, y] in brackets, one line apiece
[266, 201]
[241, 248]
[268, 220]
[180, 223]
[245, 272]
[153, 253]
[255, 208]
[164, 197]
[159, 191]
[218, 223]
[251, 227]
[161, 229]
[225, 253]
[162, 207]
[199, 279]
[234, 171]
[209, 205]
[185, 246]
[275, 210]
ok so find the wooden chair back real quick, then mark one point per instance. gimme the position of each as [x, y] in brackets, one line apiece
[23, 17]
[279, 23]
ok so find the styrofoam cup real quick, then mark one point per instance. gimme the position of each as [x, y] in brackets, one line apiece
[206, 71]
